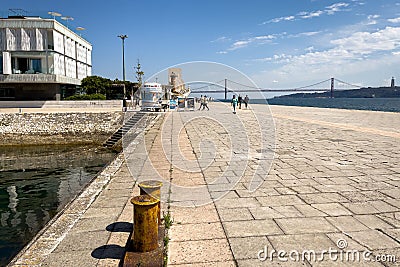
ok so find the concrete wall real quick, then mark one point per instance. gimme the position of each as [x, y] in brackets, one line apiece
[57, 128]
[117, 104]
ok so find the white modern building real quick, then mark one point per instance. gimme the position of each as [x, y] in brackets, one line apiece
[40, 59]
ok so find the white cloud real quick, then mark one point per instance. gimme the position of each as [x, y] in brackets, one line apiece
[277, 58]
[372, 19]
[303, 34]
[332, 9]
[247, 42]
[239, 44]
[394, 20]
[329, 10]
[360, 52]
[312, 14]
[276, 20]
[221, 39]
[367, 43]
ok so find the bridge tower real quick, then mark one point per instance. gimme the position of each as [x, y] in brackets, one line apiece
[226, 91]
[332, 86]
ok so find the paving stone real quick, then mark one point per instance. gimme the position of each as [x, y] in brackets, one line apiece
[347, 223]
[361, 208]
[237, 203]
[322, 198]
[302, 242]
[248, 247]
[200, 251]
[382, 206]
[374, 239]
[282, 200]
[214, 263]
[373, 222]
[198, 231]
[288, 211]
[251, 228]
[184, 215]
[257, 263]
[309, 211]
[332, 209]
[237, 214]
[262, 213]
[305, 225]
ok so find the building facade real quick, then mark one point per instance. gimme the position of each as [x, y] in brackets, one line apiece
[41, 59]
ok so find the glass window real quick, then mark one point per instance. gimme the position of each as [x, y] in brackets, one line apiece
[36, 65]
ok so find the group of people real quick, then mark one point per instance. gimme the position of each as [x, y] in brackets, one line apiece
[203, 102]
[238, 102]
[235, 102]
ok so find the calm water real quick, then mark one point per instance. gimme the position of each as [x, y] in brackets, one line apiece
[36, 183]
[377, 104]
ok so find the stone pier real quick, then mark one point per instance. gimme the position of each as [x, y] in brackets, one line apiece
[307, 180]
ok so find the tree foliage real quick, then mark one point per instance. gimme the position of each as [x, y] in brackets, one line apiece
[95, 85]
[111, 89]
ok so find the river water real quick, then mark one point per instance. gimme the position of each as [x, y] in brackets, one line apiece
[37, 182]
[376, 104]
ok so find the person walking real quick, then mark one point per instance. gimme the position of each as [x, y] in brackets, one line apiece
[240, 99]
[234, 103]
[246, 101]
[205, 103]
[201, 102]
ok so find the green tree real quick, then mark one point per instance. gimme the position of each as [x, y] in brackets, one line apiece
[95, 85]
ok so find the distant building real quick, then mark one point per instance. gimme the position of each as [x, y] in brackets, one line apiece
[40, 59]
[392, 84]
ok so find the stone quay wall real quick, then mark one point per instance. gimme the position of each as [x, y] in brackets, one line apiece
[58, 128]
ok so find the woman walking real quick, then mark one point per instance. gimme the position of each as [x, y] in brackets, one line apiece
[234, 103]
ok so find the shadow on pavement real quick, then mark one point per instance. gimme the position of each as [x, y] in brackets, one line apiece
[109, 252]
[120, 227]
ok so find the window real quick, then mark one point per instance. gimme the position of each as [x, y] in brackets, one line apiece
[36, 65]
[1, 65]
[21, 65]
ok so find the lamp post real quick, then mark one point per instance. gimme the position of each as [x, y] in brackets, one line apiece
[123, 37]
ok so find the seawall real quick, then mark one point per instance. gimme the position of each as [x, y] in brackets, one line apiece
[58, 128]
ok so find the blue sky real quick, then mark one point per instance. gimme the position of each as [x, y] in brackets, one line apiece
[279, 44]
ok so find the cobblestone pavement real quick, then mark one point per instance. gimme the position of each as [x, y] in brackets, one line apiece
[334, 183]
[334, 177]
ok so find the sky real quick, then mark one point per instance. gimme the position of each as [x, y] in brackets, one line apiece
[277, 44]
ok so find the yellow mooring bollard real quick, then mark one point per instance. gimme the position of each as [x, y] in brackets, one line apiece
[145, 223]
[152, 188]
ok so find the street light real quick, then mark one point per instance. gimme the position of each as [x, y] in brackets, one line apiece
[123, 37]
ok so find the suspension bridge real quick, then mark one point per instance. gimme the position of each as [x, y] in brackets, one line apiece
[228, 86]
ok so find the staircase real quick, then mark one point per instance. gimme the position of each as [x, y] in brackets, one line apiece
[113, 139]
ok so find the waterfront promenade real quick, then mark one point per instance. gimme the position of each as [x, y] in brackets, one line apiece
[334, 177]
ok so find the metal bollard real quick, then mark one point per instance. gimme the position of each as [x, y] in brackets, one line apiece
[152, 188]
[145, 223]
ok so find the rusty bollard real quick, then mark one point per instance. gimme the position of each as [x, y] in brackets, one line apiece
[152, 188]
[145, 223]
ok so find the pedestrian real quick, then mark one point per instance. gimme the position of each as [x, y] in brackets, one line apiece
[205, 103]
[201, 102]
[246, 101]
[124, 104]
[240, 99]
[234, 103]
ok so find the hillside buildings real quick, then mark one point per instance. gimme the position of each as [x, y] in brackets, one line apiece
[40, 59]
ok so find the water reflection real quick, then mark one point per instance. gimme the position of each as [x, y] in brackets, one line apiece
[36, 183]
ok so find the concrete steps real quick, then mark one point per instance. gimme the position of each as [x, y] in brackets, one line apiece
[113, 139]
